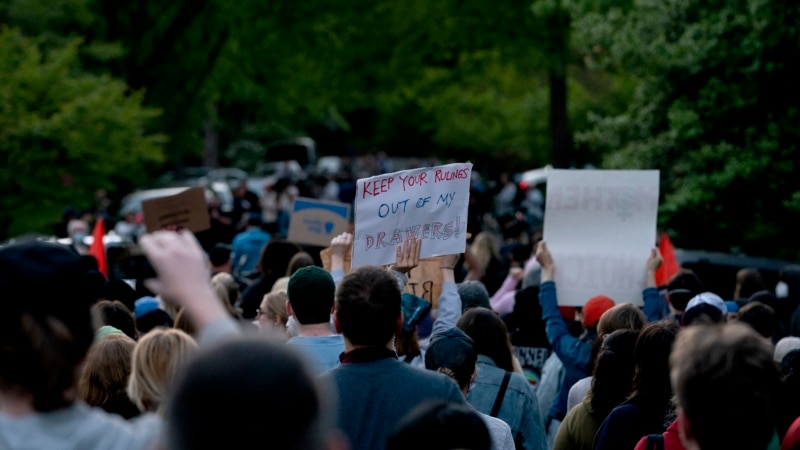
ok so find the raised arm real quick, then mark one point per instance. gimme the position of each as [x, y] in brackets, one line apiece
[407, 258]
[183, 279]
[570, 350]
[449, 309]
[503, 300]
[340, 245]
[654, 306]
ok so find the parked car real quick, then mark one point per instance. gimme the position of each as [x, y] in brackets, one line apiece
[132, 203]
[718, 270]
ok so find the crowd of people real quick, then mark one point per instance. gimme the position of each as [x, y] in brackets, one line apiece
[251, 342]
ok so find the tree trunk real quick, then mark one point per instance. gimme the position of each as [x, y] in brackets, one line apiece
[210, 144]
[560, 133]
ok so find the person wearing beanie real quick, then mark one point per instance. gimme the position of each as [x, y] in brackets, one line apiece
[576, 354]
[47, 334]
[594, 308]
[453, 353]
[473, 294]
[311, 293]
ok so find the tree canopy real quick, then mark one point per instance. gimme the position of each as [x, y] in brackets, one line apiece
[109, 94]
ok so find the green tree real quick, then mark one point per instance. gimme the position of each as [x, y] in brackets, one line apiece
[64, 133]
[716, 110]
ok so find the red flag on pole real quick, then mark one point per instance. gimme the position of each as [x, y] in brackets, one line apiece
[670, 265]
[98, 248]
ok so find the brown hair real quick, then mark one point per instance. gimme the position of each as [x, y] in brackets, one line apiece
[624, 316]
[368, 306]
[116, 314]
[723, 375]
[108, 366]
[298, 261]
[490, 335]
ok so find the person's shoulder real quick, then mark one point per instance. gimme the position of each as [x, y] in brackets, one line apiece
[520, 383]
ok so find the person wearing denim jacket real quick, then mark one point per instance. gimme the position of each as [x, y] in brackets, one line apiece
[520, 407]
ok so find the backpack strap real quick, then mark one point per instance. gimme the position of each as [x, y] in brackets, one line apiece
[500, 394]
[655, 442]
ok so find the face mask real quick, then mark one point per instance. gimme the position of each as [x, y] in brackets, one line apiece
[78, 238]
[781, 290]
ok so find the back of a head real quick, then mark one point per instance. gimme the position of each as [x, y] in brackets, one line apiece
[684, 285]
[115, 314]
[311, 293]
[453, 353]
[651, 355]
[117, 289]
[490, 335]
[784, 346]
[158, 358]
[219, 255]
[594, 309]
[760, 317]
[228, 282]
[723, 375]
[275, 256]
[613, 372]
[748, 282]
[247, 384]
[705, 307]
[298, 261]
[624, 316]
[368, 303]
[107, 369]
[155, 319]
[438, 425]
[473, 294]
[46, 331]
[766, 297]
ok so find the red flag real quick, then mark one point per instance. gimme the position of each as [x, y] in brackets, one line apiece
[98, 248]
[670, 265]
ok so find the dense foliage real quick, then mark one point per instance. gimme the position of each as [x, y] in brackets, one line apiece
[701, 90]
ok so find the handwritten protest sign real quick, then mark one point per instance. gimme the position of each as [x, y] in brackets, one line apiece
[187, 209]
[316, 222]
[428, 203]
[425, 280]
[599, 226]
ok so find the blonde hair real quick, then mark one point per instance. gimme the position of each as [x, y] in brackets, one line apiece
[624, 316]
[223, 291]
[227, 281]
[157, 359]
[276, 306]
[107, 369]
[484, 247]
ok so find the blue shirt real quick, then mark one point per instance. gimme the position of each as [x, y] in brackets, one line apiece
[246, 250]
[322, 352]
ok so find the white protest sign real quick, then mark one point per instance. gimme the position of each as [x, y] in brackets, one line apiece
[600, 226]
[428, 203]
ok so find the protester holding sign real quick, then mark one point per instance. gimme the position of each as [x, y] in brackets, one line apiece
[576, 354]
[427, 203]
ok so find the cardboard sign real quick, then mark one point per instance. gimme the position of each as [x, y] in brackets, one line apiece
[316, 222]
[187, 209]
[425, 280]
[600, 226]
[428, 203]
